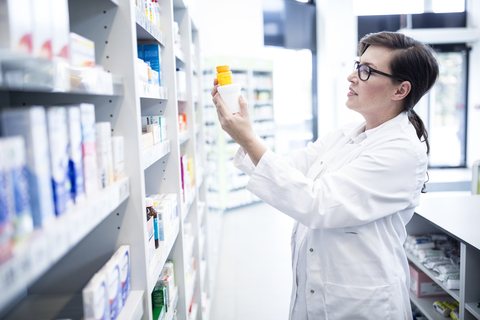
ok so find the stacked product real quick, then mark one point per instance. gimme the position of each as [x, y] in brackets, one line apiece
[151, 9]
[41, 29]
[440, 253]
[106, 293]
[149, 64]
[50, 162]
[164, 292]
[154, 130]
[166, 206]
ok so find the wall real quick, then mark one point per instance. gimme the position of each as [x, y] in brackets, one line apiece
[230, 27]
[336, 42]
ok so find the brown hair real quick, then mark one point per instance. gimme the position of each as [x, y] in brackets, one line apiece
[413, 61]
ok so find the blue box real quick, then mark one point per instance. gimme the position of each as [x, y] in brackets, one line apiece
[152, 53]
[31, 123]
[140, 51]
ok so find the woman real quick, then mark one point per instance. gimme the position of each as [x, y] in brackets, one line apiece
[352, 192]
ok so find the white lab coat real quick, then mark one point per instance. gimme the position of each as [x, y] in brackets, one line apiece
[355, 200]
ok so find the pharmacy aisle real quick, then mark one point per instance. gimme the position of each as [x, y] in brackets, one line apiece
[254, 275]
[94, 122]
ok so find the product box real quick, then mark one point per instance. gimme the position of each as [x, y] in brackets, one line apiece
[142, 70]
[159, 313]
[182, 122]
[140, 52]
[14, 151]
[147, 140]
[166, 281]
[42, 28]
[75, 154]
[58, 140]
[95, 298]
[162, 223]
[31, 123]
[184, 172]
[152, 53]
[168, 270]
[159, 297]
[118, 155]
[422, 286]
[104, 154]
[16, 27]
[163, 127]
[60, 29]
[89, 148]
[114, 286]
[123, 257]
[172, 197]
[151, 246]
[7, 205]
[82, 51]
[156, 132]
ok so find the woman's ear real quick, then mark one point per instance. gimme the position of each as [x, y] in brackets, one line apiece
[402, 90]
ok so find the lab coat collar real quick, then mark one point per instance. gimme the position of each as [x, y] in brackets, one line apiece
[353, 131]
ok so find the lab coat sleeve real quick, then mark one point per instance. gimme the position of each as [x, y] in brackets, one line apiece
[380, 182]
[300, 159]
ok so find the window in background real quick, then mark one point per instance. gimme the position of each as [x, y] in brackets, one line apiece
[444, 111]
[292, 94]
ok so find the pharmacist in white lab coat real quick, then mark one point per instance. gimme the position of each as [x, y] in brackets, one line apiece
[352, 192]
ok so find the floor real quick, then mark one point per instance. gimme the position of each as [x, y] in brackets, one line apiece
[254, 265]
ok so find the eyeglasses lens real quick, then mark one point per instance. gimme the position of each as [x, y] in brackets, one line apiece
[364, 72]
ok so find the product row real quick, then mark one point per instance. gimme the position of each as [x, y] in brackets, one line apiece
[51, 159]
[161, 214]
[164, 293]
[107, 291]
[40, 29]
[439, 253]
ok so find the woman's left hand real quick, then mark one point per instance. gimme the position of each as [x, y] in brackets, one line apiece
[237, 125]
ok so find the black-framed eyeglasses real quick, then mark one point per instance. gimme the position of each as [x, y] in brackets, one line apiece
[364, 72]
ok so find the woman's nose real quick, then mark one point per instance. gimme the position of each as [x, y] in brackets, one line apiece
[353, 77]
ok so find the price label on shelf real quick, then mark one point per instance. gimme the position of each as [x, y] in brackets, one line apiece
[124, 190]
[58, 239]
[39, 254]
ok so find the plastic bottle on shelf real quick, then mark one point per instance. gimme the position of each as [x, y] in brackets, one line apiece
[151, 212]
[228, 90]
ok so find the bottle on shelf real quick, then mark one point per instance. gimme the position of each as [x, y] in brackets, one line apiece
[151, 212]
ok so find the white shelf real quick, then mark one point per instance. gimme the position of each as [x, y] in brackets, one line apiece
[182, 96]
[193, 314]
[473, 309]
[188, 203]
[190, 285]
[70, 305]
[438, 208]
[150, 91]
[201, 211]
[179, 54]
[432, 274]
[173, 305]
[155, 153]
[46, 246]
[425, 305]
[203, 266]
[161, 255]
[146, 30]
[133, 309]
[37, 76]
[183, 137]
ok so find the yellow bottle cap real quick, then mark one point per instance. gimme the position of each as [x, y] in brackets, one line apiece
[221, 69]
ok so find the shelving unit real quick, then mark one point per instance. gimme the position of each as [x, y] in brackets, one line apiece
[50, 271]
[226, 184]
[457, 216]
